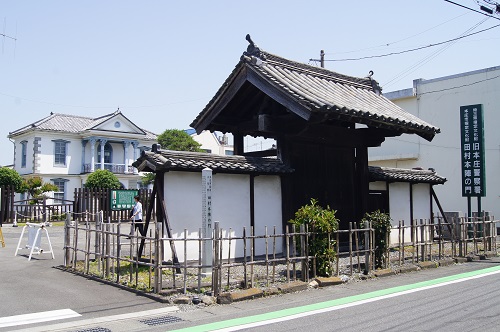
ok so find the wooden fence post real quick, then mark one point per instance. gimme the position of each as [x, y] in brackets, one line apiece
[216, 273]
[368, 247]
[67, 234]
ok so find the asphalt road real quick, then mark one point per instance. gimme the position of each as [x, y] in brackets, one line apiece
[37, 287]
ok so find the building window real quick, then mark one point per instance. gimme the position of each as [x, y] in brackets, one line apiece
[108, 153]
[229, 152]
[60, 152]
[24, 146]
[59, 194]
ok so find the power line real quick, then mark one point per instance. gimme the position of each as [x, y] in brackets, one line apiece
[397, 41]
[413, 49]
[477, 11]
[461, 86]
[428, 58]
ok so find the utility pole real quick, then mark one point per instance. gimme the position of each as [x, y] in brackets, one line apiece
[321, 59]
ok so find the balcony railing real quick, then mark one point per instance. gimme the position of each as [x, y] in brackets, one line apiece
[114, 168]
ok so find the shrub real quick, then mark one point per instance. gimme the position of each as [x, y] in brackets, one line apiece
[381, 223]
[9, 177]
[102, 178]
[322, 222]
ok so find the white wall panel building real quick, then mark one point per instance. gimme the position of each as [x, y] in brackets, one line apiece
[438, 101]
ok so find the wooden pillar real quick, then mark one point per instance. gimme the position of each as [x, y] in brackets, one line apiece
[238, 146]
[252, 200]
[363, 181]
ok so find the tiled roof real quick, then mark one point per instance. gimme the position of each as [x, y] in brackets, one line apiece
[322, 91]
[404, 175]
[70, 124]
[166, 160]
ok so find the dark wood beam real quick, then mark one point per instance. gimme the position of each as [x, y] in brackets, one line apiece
[278, 95]
[263, 153]
[224, 98]
[346, 137]
[363, 180]
[238, 147]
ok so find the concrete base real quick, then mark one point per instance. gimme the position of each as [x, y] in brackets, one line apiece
[294, 286]
[428, 265]
[246, 294]
[384, 273]
[331, 281]
[446, 262]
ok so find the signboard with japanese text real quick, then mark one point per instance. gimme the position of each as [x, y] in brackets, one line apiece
[122, 199]
[206, 218]
[472, 149]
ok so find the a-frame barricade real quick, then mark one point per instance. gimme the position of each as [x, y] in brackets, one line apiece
[35, 232]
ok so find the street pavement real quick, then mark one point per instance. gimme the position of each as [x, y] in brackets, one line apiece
[38, 286]
[37, 289]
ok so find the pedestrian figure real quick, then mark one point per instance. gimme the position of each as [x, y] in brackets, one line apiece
[136, 215]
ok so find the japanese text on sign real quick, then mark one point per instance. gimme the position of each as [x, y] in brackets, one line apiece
[472, 149]
[122, 199]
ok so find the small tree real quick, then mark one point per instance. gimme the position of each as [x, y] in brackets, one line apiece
[9, 177]
[37, 189]
[178, 140]
[322, 222]
[381, 223]
[102, 178]
[147, 178]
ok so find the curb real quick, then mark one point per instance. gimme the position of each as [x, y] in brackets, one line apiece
[247, 294]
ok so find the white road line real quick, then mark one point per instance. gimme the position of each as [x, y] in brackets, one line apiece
[37, 317]
[102, 320]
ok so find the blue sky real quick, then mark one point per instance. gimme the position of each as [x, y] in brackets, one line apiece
[160, 62]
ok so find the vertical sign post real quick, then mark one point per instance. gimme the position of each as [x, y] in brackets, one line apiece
[473, 155]
[206, 219]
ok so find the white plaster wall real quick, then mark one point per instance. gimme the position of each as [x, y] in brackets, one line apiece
[46, 156]
[209, 141]
[29, 155]
[230, 201]
[268, 213]
[231, 208]
[399, 207]
[399, 202]
[421, 201]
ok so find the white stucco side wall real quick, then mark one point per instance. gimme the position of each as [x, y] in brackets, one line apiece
[268, 213]
[399, 207]
[231, 208]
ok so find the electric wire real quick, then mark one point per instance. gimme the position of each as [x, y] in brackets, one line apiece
[477, 11]
[461, 86]
[413, 49]
[428, 58]
[394, 42]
